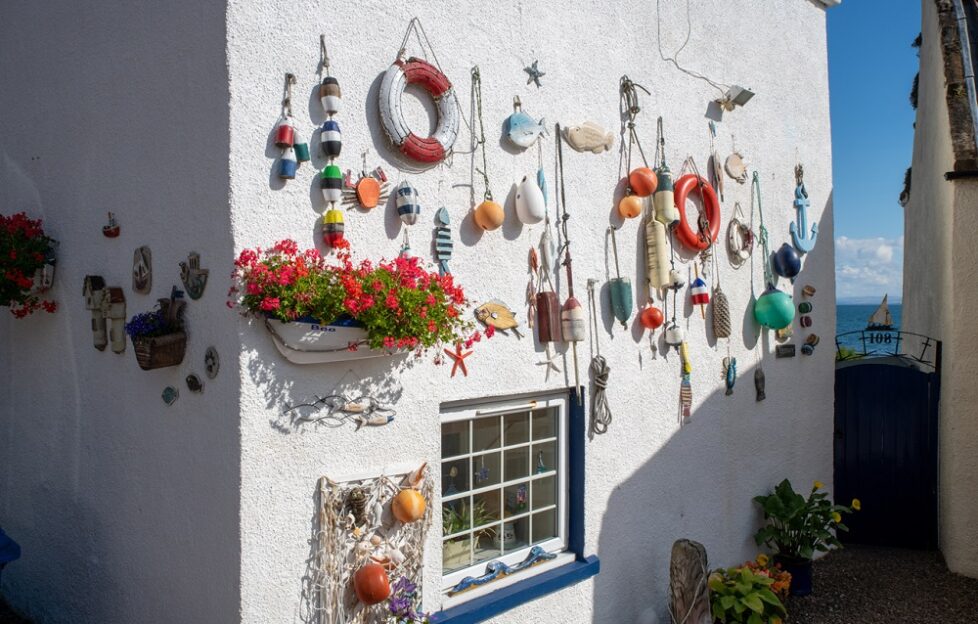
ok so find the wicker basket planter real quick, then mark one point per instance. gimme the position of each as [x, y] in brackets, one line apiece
[160, 351]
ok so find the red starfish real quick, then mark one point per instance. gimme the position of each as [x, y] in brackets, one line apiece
[458, 356]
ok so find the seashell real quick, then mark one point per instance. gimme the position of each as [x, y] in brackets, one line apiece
[408, 506]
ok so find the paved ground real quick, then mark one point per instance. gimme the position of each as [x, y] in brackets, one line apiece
[9, 617]
[886, 586]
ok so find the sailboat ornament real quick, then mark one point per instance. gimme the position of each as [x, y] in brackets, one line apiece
[881, 320]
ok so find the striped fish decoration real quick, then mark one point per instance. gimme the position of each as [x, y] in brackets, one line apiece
[686, 398]
[443, 241]
[331, 183]
[332, 138]
[408, 206]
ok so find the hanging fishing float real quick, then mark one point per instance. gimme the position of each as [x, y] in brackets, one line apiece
[408, 210]
[331, 181]
[699, 292]
[600, 410]
[651, 318]
[488, 215]
[572, 314]
[664, 198]
[773, 309]
[285, 135]
[620, 288]
[642, 181]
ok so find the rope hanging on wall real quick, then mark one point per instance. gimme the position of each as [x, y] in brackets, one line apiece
[600, 410]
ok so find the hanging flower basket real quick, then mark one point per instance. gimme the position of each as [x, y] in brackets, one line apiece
[160, 351]
[26, 265]
[375, 309]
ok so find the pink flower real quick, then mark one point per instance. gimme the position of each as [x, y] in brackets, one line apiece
[389, 342]
[270, 303]
[253, 289]
[490, 330]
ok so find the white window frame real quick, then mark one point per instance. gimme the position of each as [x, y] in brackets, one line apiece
[498, 408]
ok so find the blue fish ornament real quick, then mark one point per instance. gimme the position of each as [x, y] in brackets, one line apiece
[521, 129]
[730, 374]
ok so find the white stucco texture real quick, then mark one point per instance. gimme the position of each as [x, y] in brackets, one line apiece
[940, 295]
[130, 511]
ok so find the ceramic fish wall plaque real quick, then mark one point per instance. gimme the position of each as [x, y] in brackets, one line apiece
[497, 314]
[531, 207]
[589, 137]
[193, 277]
[521, 129]
[443, 241]
[142, 270]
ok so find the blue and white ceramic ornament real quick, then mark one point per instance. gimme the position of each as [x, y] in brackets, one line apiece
[521, 129]
[406, 200]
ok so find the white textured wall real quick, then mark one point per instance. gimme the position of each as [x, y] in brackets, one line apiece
[939, 292]
[126, 509]
[648, 481]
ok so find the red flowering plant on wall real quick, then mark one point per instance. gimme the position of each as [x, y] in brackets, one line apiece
[399, 303]
[24, 250]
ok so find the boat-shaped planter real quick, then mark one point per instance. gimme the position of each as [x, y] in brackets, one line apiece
[309, 341]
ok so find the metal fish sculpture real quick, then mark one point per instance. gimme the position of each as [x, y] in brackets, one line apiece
[589, 137]
[730, 373]
[521, 129]
[498, 315]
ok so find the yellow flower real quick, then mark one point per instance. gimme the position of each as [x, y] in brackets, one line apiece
[818, 485]
[837, 517]
[762, 560]
[856, 504]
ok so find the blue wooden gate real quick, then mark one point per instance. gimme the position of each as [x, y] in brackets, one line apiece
[887, 392]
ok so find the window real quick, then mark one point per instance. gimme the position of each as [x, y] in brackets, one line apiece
[504, 481]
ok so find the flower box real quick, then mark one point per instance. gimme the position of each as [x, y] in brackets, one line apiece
[308, 341]
[160, 351]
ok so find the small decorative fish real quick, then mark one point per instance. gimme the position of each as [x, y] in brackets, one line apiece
[376, 420]
[759, 384]
[443, 240]
[730, 373]
[498, 315]
[589, 137]
[521, 129]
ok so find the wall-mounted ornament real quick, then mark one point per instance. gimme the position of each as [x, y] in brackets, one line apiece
[531, 207]
[331, 183]
[114, 309]
[785, 351]
[773, 309]
[651, 319]
[170, 395]
[656, 252]
[458, 360]
[805, 307]
[808, 291]
[498, 315]
[729, 373]
[786, 261]
[418, 72]
[158, 337]
[759, 383]
[194, 384]
[699, 293]
[736, 165]
[407, 203]
[740, 237]
[285, 134]
[335, 410]
[799, 229]
[330, 95]
[784, 334]
[497, 569]
[534, 73]
[521, 129]
[619, 287]
[489, 214]
[333, 227]
[720, 313]
[589, 137]
[675, 336]
[443, 240]
[142, 270]
[212, 362]
[193, 277]
[331, 139]
[706, 233]
[111, 229]
[810, 343]
[95, 293]
[369, 190]
[805, 321]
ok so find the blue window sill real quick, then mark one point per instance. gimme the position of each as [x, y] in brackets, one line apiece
[485, 607]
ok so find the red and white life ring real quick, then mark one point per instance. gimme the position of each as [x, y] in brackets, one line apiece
[416, 71]
[686, 234]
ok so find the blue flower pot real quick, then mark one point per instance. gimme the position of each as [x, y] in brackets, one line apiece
[801, 574]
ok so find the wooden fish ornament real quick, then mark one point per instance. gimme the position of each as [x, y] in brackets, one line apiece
[531, 206]
[497, 314]
[589, 137]
[521, 129]
[443, 241]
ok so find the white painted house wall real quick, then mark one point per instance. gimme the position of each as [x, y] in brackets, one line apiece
[130, 511]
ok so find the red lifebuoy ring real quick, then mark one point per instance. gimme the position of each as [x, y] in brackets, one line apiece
[685, 234]
[418, 72]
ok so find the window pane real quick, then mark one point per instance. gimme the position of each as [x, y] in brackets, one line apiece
[455, 516]
[485, 470]
[520, 532]
[517, 463]
[455, 438]
[485, 434]
[544, 526]
[544, 424]
[544, 457]
[485, 508]
[544, 492]
[487, 544]
[456, 553]
[516, 428]
[455, 477]
[517, 499]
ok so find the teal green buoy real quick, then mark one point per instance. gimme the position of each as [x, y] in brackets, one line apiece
[620, 287]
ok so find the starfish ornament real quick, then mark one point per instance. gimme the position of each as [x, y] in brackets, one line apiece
[458, 359]
[534, 73]
[549, 362]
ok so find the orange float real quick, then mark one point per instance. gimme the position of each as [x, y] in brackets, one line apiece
[371, 584]
[643, 181]
[408, 506]
[651, 318]
[489, 215]
[630, 206]
[711, 205]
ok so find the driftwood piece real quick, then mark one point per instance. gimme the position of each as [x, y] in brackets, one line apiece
[689, 598]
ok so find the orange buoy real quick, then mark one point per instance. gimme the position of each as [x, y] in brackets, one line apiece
[651, 318]
[630, 206]
[408, 506]
[643, 181]
[489, 215]
[371, 584]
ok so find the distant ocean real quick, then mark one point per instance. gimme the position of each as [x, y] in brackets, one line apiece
[854, 318]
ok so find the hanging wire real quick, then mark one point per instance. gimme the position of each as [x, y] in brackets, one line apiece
[323, 56]
[755, 188]
[287, 100]
[660, 145]
[674, 59]
[481, 142]
[629, 101]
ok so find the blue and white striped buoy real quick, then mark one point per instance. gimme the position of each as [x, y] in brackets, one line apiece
[287, 164]
[332, 139]
[408, 206]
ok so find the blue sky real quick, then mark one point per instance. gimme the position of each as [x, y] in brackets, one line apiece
[871, 70]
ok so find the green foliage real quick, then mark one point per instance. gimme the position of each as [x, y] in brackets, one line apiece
[24, 249]
[455, 518]
[846, 353]
[740, 595]
[798, 527]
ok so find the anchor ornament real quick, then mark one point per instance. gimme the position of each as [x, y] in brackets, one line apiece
[194, 278]
[799, 235]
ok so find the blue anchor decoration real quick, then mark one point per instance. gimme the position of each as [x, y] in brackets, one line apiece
[799, 235]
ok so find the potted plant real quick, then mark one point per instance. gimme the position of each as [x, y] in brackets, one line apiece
[320, 311]
[158, 337]
[455, 519]
[26, 265]
[798, 527]
[740, 594]
[781, 578]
